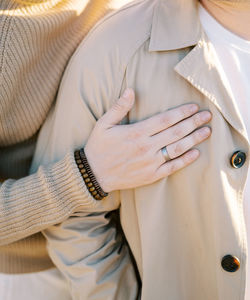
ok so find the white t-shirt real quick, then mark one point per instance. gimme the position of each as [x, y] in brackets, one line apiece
[233, 53]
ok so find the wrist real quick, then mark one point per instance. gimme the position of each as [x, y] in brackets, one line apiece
[99, 166]
[88, 176]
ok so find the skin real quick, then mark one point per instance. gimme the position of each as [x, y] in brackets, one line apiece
[136, 158]
[233, 15]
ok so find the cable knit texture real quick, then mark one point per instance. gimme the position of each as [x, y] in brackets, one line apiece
[36, 40]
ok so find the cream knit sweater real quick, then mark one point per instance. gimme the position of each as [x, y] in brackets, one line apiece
[36, 40]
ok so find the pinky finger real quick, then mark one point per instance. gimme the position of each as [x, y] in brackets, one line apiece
[178, 163]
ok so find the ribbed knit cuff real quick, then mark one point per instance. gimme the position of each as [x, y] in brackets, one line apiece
[68, 186]
[48, 197]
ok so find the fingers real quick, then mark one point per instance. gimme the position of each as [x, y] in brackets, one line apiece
[119, 109]
[167, 119]
[181, 129]
[180, 147]
[176, 164]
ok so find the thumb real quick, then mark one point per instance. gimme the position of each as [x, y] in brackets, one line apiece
[120, 108]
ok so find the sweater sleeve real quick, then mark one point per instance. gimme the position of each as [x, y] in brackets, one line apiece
[55, 189]
[47, 197]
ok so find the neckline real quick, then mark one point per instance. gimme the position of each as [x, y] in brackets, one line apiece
[219, 33]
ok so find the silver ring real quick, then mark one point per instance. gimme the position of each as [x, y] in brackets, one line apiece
[165, 153]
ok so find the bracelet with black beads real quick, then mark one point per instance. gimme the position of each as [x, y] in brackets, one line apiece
[88, 176]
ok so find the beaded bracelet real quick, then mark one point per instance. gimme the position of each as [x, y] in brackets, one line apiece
[88, 176]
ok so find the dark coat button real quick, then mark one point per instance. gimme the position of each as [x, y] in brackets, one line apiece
[230, 263]
[238, 159]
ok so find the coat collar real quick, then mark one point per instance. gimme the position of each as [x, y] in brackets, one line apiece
[175, 25]
[199, 66]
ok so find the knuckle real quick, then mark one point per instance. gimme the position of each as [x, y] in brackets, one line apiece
[99, 124]
[142, 148]
[119, 105]
[164, 120]
[177, 149]
[196, 120]
[152, 173]
[188, 158]
[194, 137]
[198, 135]
[172, 168]
[178, 132]
[134, 133]
[152, 159]
[184, 111]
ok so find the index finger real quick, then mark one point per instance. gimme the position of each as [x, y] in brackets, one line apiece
[162, 121]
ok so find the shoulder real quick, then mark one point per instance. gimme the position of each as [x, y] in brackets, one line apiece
[117, 36]
[124, 28]
[98, 66]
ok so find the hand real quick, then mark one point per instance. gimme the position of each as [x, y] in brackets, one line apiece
[128, 156]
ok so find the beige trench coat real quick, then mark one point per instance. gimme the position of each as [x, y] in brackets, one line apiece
[180, 227]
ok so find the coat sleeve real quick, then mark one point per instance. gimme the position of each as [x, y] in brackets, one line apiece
[93, 256]
[87, 248]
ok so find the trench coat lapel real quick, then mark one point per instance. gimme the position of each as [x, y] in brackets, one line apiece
[200, 66]
[201, 69]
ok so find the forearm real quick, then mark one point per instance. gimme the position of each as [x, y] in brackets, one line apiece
[47, 197]
[92, 254]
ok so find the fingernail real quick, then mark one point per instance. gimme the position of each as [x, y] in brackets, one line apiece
[194, 108]
[206, 131]
[206, 116]
[194, 153]
[126, 93]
